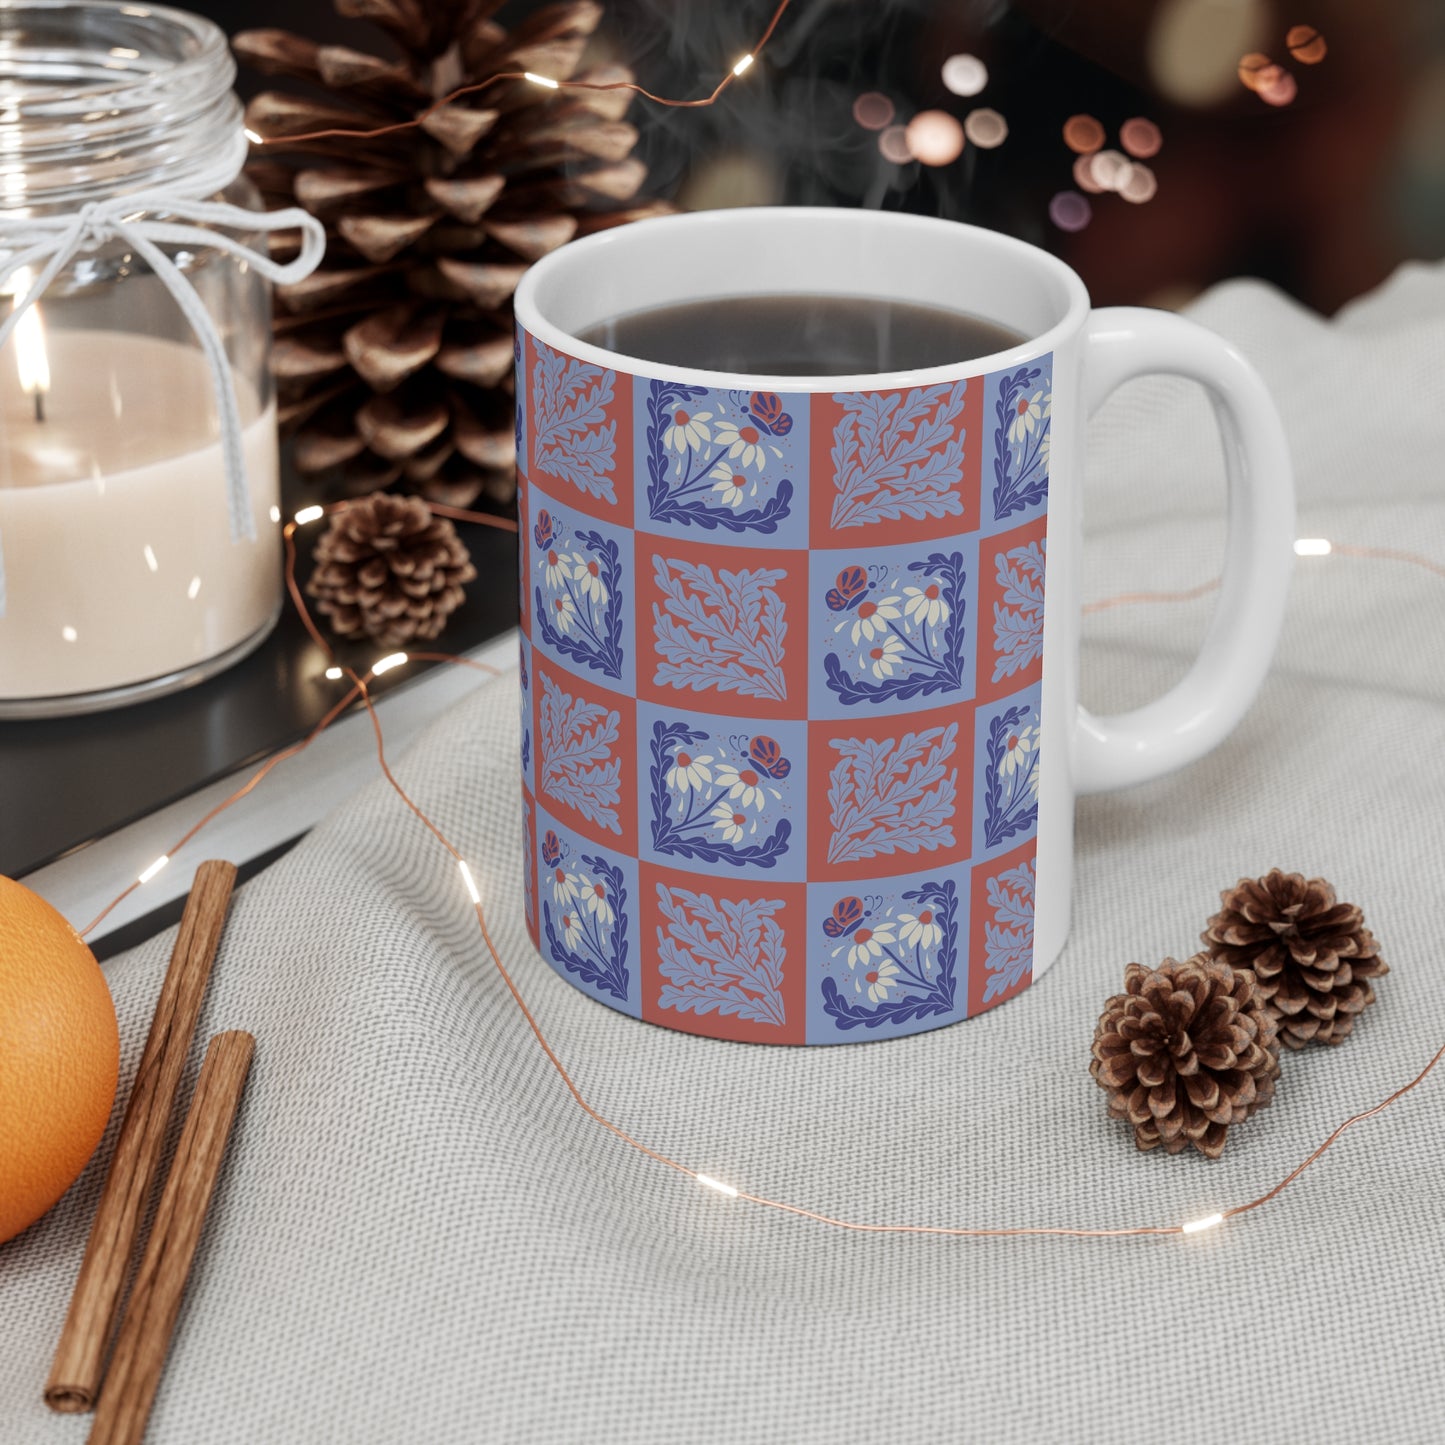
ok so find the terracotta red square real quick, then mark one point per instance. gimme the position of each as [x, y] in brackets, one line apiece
[586, 754]
[889, 795]
[529, 866]
[721, 632]
[895, 467]
[578, 431]
[724, 957]
[1010, 640]
[524, 590]
[1001, 942]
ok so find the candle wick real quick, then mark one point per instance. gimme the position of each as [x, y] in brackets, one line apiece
[39, 404]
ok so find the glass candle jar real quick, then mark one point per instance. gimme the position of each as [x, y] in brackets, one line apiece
[131, 567]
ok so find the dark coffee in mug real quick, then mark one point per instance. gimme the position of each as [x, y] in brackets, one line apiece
[802, 335]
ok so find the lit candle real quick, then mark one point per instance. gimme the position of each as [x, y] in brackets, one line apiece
[113, 517]
[31, 359]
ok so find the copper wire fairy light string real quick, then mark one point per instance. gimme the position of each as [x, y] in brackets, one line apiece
[547, 82]
[359, 689]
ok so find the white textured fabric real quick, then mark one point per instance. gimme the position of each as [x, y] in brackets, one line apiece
[418, 1236]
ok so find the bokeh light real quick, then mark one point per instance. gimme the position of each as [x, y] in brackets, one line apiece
[872, 110]
[1193, 47]
[1252, 66]
[893, 142]
[1306, 44]
[934, 137]
[1139, 185]
[1084, 175]
[1140, 137]
[1110, 170]
[985, 128]
[1278, 88]
[1070, 211]
[964, 74]
[1083, 134]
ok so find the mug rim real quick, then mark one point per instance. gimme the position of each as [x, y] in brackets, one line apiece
[591, 249]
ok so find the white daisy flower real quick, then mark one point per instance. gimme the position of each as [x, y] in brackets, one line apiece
[745, 444]
[564, 612]
[883, 657]
[925, 605]
[689, 772]
[594, 895]
[744, 785]
[688, 430]
[879, 981]
[1017, 751]
[571, 928]
[1028, 413]
[1034, 781]
[732, 486]
[589, 579]
[920, 930]
[867, 944]
[564, 885]
[559, 569]
[730, 823]
[872, 618]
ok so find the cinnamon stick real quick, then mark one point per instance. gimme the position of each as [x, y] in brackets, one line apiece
[155, 1298]
[79, 1362]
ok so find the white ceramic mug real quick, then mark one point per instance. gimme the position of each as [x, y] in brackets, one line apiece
[802, 743]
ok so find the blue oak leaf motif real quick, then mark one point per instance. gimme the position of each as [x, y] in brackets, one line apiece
[1009, 935]
[723, 957]
[892, 795]
[1018, 620]
[577, 764]
[571, 435]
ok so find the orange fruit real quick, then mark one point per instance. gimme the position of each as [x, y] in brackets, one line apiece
[59, 1056]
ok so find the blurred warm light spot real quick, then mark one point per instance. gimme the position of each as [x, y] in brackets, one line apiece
[985, 128]
[1083, 134]
[1084, 175]
[1194, 46]
[1070, 211]
[934, 137]
[1140, 137]
[1278, 89]
[894, 145]
[1306, 44]
[1110, 170]
[1140, 185]
[965, 74]
[736, 178]
[1252, 66]
[872, 110]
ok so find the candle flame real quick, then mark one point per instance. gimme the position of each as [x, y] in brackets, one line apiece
[31, 359]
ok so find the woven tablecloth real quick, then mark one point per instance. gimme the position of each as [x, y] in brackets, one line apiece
[419, 1237]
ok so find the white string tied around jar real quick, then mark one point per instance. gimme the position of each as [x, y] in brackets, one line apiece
[52, 242]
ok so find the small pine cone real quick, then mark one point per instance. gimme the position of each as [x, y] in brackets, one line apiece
[1185, 1051]
[388, 570]
[1313, 957]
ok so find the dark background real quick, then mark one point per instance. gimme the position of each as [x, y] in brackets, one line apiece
[1323, 196]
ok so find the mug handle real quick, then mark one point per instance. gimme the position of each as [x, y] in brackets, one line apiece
[1196, 714]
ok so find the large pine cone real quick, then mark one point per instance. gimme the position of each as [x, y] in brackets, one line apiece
[388, 570]
[1185, 1051]
[394, 360]
[1313, 957]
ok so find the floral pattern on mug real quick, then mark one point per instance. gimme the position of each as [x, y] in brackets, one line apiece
[524, 678]
[1012, 568]
[892, 630]
[529, 866]
[720, 796]
[734, 463]
[1009, 759]
[1002, 945]
[580, 590]
[1023, 404]
[888, 961]
[587, 901]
